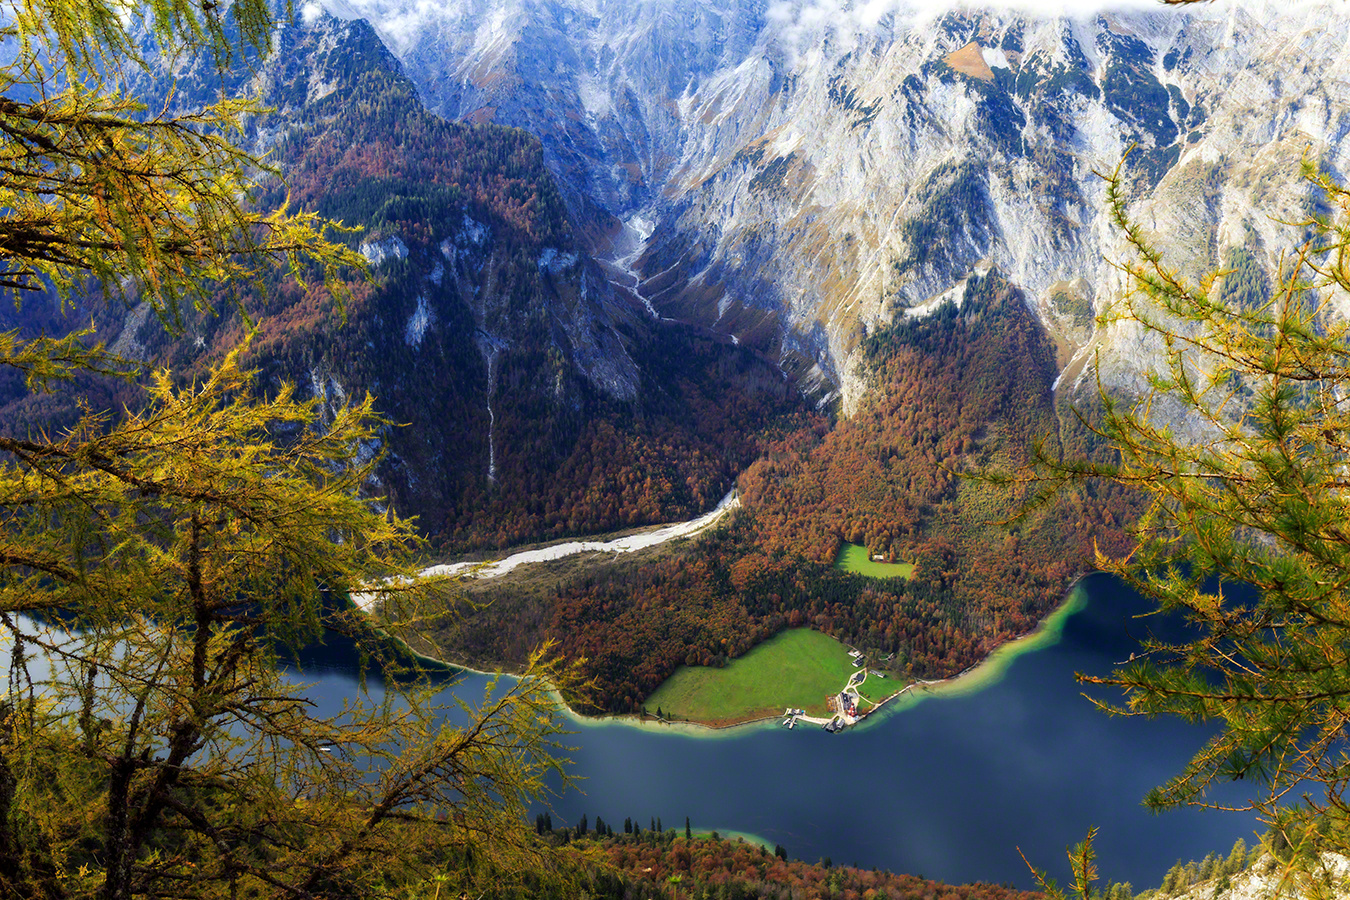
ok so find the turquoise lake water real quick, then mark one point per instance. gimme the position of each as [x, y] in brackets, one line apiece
[949, 788]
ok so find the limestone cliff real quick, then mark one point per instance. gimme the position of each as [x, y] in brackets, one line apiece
[793, 172]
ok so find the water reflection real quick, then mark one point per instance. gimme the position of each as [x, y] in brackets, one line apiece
[949, 788]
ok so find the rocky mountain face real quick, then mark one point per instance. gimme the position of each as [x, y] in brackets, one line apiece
[538, 400]
[793, 172]
[700, 199]
[527, 396]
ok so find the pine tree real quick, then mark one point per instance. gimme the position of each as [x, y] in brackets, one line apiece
[158, 561]
[142, 201]
[192, 547]
[1260, 501]
[1237, 858]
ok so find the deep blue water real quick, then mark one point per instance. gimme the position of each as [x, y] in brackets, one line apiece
[949, 789]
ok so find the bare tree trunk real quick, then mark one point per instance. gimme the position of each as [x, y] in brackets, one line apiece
[24, 871]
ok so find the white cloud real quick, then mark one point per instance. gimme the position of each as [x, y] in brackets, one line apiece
[868, 13]
[796, 25]
[858, 16]
[400, 21]
[799, 27]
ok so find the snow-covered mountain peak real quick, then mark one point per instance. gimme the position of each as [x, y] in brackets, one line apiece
[812, 166]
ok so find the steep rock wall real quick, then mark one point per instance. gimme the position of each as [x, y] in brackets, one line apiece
[793, 173]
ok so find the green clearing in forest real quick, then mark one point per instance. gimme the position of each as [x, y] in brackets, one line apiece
[796, 668]
[877, 689]
[854, 558]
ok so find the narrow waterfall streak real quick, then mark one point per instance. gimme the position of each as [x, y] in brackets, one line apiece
[492, 418]
[492, 447]
[491, 346]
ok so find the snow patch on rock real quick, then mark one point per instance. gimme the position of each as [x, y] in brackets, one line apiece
[594, 98]
[378, 252]
[418, 323]
[995, 58]
[128, 345]
[327, 390]
[472, 233]
[555, 262]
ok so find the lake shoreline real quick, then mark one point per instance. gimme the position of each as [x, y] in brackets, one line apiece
[1025, 762]
[991, 669]
[988, 671]
[982, 674]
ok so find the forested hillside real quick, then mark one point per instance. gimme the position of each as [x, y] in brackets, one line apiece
[964, 390]
[648, 863]
[526, 400]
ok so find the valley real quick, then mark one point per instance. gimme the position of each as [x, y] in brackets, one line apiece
[837, 326]
[745, 355]
[608, 318]
[885, 477]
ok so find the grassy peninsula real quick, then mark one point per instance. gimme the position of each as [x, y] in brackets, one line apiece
[798, 667]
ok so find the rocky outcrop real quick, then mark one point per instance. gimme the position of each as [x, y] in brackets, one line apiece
[1268, 879]
[793, 172]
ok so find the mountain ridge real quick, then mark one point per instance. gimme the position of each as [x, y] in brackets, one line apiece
[793, 168]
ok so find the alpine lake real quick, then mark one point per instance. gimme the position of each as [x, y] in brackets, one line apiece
[949, 784]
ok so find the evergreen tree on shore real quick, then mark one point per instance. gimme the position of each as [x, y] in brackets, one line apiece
[156, 563]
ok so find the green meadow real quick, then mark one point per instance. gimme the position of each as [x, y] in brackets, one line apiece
[877, 689]
[855, 558]
[800, 667]
[797, 668]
